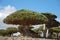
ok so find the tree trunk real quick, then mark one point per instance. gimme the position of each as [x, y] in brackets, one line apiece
[58, 38]
[50, 34]
[47, 33]
[44, 31]
[26, 31]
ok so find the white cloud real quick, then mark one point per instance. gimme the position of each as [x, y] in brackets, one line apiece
[4, 12]
[7, 10]
[58, 19]
[0, 14]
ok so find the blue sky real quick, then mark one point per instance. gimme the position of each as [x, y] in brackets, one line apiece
[52, 6]
[36, 5]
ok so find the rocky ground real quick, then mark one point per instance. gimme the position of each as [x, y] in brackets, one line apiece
[21, 38]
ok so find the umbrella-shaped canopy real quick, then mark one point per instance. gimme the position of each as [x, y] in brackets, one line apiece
[52, 22]
[50, 16]
[25, 17]
[55, 29]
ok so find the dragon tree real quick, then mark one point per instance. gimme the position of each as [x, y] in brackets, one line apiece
[25, 18]
[57, 31]
[11, 30]
[52, 22]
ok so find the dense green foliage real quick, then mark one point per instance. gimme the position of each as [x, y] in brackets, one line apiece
[55, 29]
[3, 32]
[8, 31]
[25, 16]
[51, 20]
[37, 30]
[11, 30]
[49, 15]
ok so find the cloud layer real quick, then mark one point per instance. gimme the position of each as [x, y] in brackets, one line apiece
[4, 11]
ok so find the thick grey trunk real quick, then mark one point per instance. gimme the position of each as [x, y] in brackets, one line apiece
[26, 31]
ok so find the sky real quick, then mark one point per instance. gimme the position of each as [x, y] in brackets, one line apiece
[9, 6]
